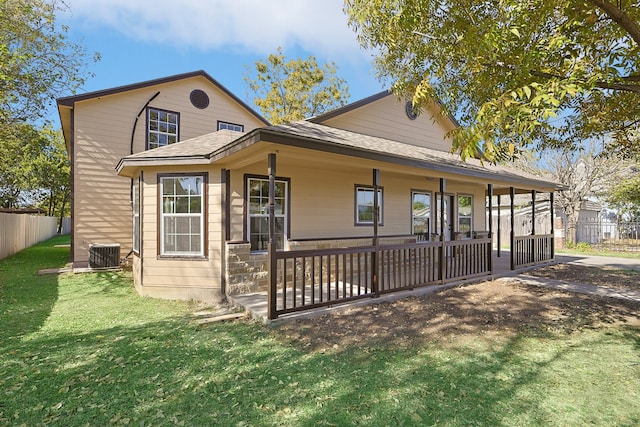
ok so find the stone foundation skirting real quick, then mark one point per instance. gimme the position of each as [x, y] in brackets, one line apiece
[248, 272]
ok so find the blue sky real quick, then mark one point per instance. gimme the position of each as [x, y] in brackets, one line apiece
[147, 39]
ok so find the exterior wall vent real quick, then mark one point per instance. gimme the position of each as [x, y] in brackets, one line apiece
[104, 255]
[199, 99]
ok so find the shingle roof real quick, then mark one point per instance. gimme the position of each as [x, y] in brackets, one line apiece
[218, 145]
[198, 147]
[422, 156]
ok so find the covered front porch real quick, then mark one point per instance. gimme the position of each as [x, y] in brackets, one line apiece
[355, 269]
[257, 303]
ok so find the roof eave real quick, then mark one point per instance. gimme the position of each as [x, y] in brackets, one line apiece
[126, 165]
[284, 138]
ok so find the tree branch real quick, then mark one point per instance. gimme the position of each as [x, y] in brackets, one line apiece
[600, 84]
[621, 18]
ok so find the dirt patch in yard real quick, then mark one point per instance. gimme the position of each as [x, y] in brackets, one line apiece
[488, 310]
[599, 276]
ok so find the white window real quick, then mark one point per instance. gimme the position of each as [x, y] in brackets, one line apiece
[162, 128]
[465, 215]
[258, 213]
[230, 126]
[182, 215]
[364, 205]
[136, 214]
[421, 216]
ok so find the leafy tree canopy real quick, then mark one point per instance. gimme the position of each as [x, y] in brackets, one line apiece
[626, 196]
[37, 61]
[34, 166]
[286, 91]
[515, 74]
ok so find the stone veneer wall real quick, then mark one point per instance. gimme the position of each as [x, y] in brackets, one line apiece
[248, 272]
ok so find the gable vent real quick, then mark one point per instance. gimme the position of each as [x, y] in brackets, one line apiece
[199, 99]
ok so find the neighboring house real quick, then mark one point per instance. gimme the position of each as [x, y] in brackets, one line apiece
[102, 127]
[203, 209]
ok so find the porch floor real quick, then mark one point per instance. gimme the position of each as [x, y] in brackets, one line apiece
[256, 303]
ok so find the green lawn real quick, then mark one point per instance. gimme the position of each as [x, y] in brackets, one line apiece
[86, 350]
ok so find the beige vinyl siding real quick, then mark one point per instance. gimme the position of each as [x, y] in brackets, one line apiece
[101, 206]
[175, 277]
[386, 118]
[322, 193]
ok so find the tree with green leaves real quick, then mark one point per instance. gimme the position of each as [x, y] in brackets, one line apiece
[516, 74]
[37, 61]
[287, 91]
[625, 197]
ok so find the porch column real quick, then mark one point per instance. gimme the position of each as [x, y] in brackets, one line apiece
[499, 239]
[225, 179]
[273, 267]
[441, 258]
[376, 219]
[553, 236]
[533, 212]
[512, 195]
[490, 191]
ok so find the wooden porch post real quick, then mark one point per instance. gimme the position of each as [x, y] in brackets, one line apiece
[533, 212]
[499, 239]
[273, 267]
[376, 243]
[490, 191]
[512, 195]
[553, 236]
[441, 255]
[533, 255]
[225, 179]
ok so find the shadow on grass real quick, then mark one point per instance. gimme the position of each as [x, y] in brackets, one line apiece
[102, 362]
[169, 372]
[26, 299]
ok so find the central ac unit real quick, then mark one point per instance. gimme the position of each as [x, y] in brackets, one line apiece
[104, 255]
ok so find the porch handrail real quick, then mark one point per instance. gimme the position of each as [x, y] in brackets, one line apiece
[311, 278]
[531, 250]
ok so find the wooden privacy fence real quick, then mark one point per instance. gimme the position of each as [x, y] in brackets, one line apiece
[19, 231]
[306, 279]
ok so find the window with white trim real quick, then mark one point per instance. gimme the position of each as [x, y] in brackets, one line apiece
[136, 214]
[182, 215]
[230, 126]
[364, 205]
[162, 128]
[258, 212]
[421, 216]
[465, 215]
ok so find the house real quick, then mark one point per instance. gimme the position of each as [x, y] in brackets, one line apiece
[359, 201]
[102, 127]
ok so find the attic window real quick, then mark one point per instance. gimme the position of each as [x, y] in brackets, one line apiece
[199, 99]
[411, 112]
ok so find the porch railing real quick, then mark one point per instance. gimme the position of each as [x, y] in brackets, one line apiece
[531, 250]
[306, 279]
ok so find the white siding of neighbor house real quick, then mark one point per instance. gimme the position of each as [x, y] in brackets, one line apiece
[102, 132]
[386, 118]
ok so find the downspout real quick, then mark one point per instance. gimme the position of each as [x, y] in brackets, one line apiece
[133, 130]
[133, 133]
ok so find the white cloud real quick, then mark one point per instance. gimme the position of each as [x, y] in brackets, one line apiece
[253, 26]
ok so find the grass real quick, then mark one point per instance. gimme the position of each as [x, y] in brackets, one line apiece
[81, 350]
